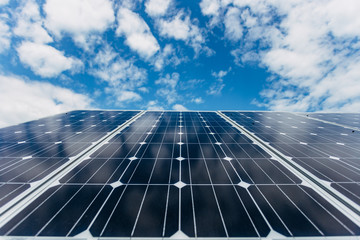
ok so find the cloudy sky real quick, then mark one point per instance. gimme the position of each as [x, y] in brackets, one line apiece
[291, 55]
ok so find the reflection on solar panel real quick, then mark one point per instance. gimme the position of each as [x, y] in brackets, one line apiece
[347, 119]
[33, 151]
[179, 175]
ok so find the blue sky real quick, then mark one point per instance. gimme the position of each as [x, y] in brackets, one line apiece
[296, 55]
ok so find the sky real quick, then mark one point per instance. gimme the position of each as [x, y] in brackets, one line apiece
[277, 55]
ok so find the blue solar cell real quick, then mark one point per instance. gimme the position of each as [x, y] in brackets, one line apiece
[351, 190]
[328, 151]
[347, 119]
[31, 151]
[9, 191]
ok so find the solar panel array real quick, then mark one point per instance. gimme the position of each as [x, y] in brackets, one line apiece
[169, 174]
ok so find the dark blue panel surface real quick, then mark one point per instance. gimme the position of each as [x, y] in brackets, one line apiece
[347, 119]
[351, 190]
[328, 151]
[170, 173]
[9, 191]
[31, 151]
[296, 212]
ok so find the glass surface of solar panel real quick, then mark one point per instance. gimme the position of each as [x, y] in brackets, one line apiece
[31, 151]
[328, 151]
[347, 119]
[175, 174]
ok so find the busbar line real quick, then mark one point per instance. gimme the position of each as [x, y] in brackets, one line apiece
[342, 203]
[15, 206]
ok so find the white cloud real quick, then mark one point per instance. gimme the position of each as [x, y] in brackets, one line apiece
[30, 24]
[210, 7]
[233, 18]
[163, 56]
[168, 89]
[214, 9]
[169, 81]
[247, 19]
[154, 105]
[245, 57]
[137, 33]
[24, 100]
[143, 89]
[310, 47]
[5, 34]
[343, 18]
[156, 8]
[167, 56]
[118, 72]
[233, 27]
[45, 60]
[3, 2]
[180, 27]
[122, 76]
[179, 107]
[169, 94]
[124, 96]
[129, 4]
[191, 84]
[197, 100]
[221, 73]
[218, 85]
[81, 19]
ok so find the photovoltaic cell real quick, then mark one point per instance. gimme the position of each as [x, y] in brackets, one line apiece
[328, 151]
[31, 151]
[347, 119]
[174, 174]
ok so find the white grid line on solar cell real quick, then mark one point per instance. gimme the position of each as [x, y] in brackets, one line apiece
[216, 139]
[103, 202]
[190, 175]
[146, 136]
[341, 163]
[212, 187]
[53, 131]
[332, 119]
[24, 161]
[334, 201]
[27, 197]
[319, 150]
[259, 207]
[16, 166]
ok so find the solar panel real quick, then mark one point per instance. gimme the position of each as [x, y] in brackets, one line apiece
[330, 152]
[32, 151]
[346, 119]
[170, 174]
